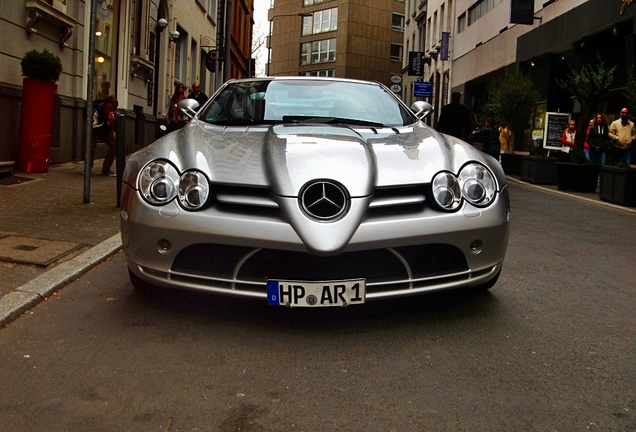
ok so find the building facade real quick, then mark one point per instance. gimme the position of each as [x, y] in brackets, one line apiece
[559, 35]
[486, 36]
[142, 48]
[337, 38]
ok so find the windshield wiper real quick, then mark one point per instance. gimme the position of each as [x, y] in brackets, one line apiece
[243, 122]
[330, 120]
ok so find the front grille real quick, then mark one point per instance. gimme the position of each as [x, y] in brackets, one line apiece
[242, 268]
[385, 201]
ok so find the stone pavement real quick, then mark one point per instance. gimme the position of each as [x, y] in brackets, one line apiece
[49, 237]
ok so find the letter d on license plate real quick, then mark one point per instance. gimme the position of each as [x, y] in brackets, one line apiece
[313, 294]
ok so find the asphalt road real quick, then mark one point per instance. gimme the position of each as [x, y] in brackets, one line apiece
[550, 348]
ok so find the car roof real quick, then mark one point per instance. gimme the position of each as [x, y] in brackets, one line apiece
[304, 78]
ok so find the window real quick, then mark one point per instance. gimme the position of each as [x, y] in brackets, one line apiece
[320, 73]
[313, 2]
[397, 22]
[139, 20]
[397, 52]
[212, 9]
[321, 21]
[461, 23]
[318, 51]
[480, 9]
[181, 55]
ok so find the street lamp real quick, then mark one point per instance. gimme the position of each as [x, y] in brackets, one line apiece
[271, 21]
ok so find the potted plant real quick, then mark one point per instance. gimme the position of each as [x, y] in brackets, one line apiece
[512, 100]
[41, 70]
[618, 185]
[539, 169]
[588, 85]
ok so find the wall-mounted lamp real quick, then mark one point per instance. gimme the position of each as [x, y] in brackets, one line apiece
[162, 24]
[615, 32]
[174, 35]
[531, 63]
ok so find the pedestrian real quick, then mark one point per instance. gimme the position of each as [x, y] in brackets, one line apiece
[567, 141]
[104, 131]
[454, 119]
[489, 135]
[103, 93]
[172, 115]
[597, 137]
[586, 144]
[623, 133]
[198, 95]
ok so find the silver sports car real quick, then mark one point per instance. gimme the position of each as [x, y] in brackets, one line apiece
[305, 191]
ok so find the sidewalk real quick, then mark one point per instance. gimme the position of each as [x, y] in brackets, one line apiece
[49, 237]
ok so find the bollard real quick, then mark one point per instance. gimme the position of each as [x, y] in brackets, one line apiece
[120, 131]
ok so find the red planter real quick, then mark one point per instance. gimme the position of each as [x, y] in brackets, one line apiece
[36, 124]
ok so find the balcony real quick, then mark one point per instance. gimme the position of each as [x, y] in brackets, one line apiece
[38, 10]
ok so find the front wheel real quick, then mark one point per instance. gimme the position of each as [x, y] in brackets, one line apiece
[486, 286]
[139, 284]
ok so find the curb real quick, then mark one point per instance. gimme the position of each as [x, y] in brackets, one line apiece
[570, 195]
[17, 302]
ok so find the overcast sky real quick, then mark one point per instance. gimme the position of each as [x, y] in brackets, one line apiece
[261, 28]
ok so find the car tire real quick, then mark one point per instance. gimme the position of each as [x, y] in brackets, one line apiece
[486, 286]
[140, 285]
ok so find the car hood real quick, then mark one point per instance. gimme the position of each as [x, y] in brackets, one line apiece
[283, 158]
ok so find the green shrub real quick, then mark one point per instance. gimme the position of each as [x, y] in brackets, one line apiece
[41, 65]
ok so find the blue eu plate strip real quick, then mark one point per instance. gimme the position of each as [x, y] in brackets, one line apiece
[272, 293]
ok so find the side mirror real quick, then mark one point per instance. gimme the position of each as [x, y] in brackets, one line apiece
[421, 109]
[188, 108]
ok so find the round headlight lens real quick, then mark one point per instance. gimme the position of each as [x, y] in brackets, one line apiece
[158, 182]
[193, 190]
[477, 184]
[446, 191]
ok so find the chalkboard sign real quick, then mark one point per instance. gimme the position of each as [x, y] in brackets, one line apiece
[555, 124]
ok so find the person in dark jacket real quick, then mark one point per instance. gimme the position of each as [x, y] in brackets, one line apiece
[454, 119]
[489, 135]
[598, 138]
[198, 95]
[104, 131]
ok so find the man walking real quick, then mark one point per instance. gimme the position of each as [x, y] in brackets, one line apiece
[197, 94]
[454, 118]
[623, 133]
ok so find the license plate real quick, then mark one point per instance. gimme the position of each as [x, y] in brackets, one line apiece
[316, 294]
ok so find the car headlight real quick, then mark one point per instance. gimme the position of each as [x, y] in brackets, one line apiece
[158, 182]
[446, 191]
[193, 190]
[478, 184]
[475, 183]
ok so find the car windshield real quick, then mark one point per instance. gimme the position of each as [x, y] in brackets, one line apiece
[305, 101]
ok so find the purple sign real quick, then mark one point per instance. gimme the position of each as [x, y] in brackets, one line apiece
[443, 55]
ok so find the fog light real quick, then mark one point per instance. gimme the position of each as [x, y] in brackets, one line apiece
[475, 247]
[163, 246]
